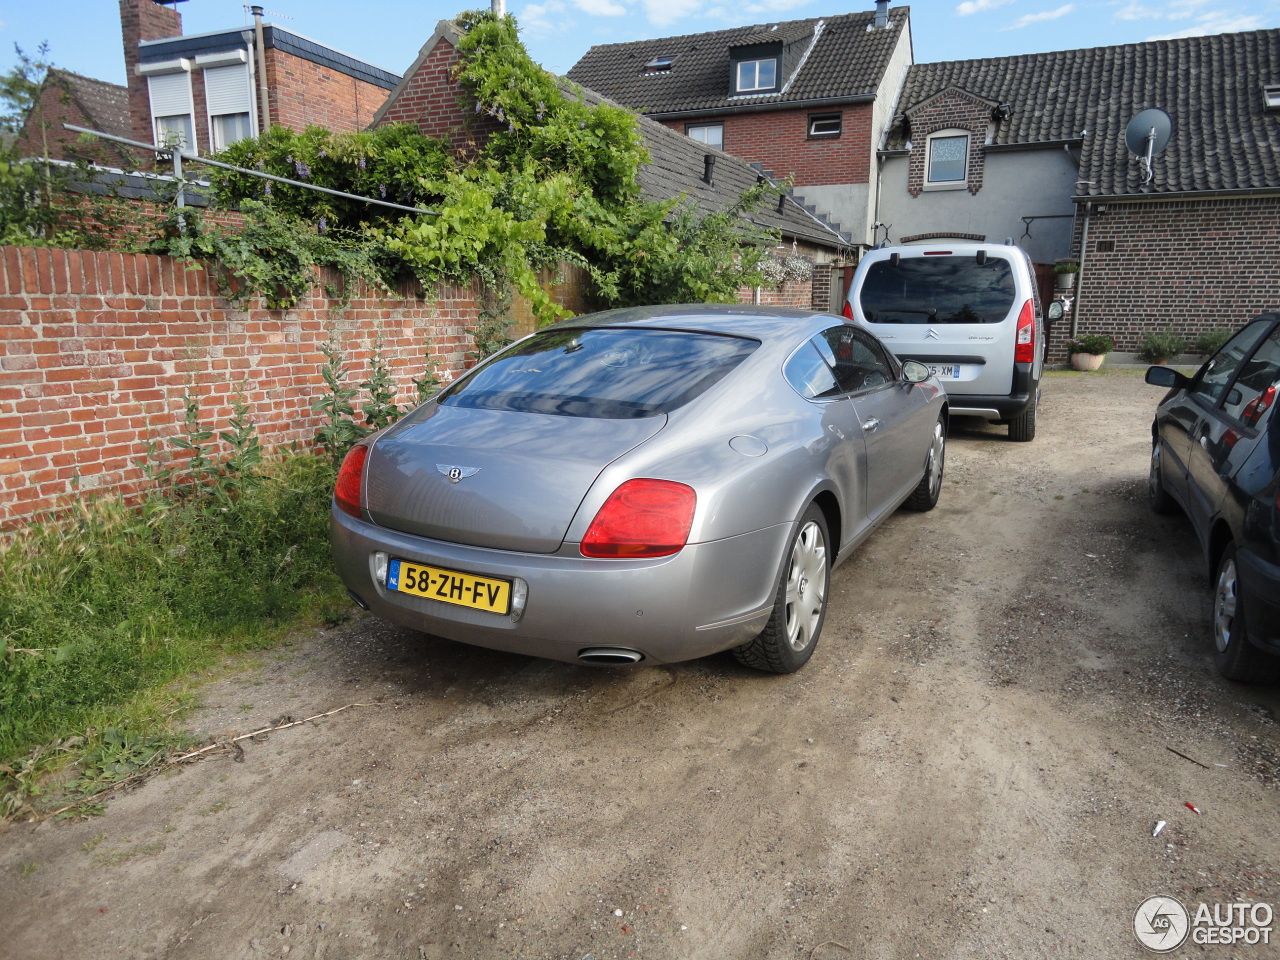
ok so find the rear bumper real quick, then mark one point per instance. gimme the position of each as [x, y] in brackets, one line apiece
[1260, 584]
[1003, 407]
[706, 598]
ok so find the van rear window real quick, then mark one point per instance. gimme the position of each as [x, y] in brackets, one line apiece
[938, 290]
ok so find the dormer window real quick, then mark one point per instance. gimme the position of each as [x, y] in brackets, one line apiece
[756, 68]
[1271, 96]
[757, 76]
[659, 65]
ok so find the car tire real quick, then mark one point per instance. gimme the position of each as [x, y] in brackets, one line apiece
[1234, 656]
[1022, 428]
[1157, 495]
[800, 607]
[925, 495]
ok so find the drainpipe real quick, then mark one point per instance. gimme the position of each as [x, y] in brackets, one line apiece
[265, 118]
[1084, 245]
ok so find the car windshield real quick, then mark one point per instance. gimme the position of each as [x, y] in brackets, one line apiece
[614, 373]
[938, 289]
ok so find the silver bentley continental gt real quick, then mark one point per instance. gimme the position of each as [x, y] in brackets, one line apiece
[643, 485]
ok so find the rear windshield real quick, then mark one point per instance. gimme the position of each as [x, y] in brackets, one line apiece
[609, 373]
[938, 290]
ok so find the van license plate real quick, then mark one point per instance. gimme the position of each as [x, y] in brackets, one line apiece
[944, 371]
[449, 586]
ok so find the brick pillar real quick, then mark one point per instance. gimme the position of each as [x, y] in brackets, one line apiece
[143, 20]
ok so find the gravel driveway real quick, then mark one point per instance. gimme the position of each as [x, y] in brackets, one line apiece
[972, 765]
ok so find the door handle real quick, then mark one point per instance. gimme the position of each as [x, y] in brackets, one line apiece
[869, 425]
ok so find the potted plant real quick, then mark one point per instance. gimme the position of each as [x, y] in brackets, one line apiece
[1088, 352]
[1065, 275]
[1160, 347]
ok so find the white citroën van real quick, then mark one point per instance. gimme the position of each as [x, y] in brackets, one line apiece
[969, 312]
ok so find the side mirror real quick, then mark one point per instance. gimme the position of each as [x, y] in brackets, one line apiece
[1167, 377]
[1055, 312]
[913, 371]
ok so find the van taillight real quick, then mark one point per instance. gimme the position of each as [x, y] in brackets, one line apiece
[351, 480]
[1024, 350]
[848, 310]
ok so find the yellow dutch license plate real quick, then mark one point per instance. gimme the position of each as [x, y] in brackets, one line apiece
[449, 586]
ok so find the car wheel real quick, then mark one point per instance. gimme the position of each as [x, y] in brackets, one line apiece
[925, 495]
[787, 641]
[1235, 657]
[1157, 495]
[1022, 428]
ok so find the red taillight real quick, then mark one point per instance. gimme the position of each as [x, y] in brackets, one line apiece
[848, 310]
[642, 518]
[351, 480]
[1024, 350]
[1255, 408]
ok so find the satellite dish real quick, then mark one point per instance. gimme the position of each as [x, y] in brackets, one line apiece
[1147, 134]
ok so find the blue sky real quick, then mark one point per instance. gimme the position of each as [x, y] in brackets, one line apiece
[84, 35]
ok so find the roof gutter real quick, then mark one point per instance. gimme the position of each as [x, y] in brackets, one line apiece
[1033, 145]
[759, 107]
[1180, 195]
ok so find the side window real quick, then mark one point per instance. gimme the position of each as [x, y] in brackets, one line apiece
[859, 362]
[1217, 373]
[1248, 397]
[810, 375]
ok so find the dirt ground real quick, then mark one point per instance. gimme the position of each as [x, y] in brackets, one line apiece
[972, 765]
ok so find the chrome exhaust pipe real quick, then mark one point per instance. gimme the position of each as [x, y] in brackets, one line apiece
[609, 656]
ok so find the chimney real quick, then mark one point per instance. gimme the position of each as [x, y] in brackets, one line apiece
[143, 20]
[882, 14]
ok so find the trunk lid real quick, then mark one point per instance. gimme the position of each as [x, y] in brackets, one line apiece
[519, 477]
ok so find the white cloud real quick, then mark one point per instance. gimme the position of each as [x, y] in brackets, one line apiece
[542, 18]
[970, 7]
[773, 6]
[1212, 23]
[1174, 10]
[664, 12]
[1031, 18]
[601, 8]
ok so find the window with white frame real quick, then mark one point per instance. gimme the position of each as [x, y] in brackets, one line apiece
[825, 125]
[947, 159]
[712, 134]
[229, 94]
[756, 76]
[171, 109]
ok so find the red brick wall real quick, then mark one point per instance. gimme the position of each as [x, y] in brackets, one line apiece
[305, 94]
[949, 110]
[1182, 266]
[96, 350]
[779, 139]
[431, 101]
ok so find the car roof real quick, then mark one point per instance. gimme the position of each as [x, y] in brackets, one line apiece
[741, 320]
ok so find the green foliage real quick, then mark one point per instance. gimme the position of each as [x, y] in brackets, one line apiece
[380, 409]
[1212, 340]
[1094, 343]
[103, 608]
[1069, 266]
[1161, 346]
[196, 469]
[341, 432]
[20, 87]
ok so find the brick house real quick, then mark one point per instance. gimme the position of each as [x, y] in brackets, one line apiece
[67, 97]
[808, 99]
[430, 98]
[1033, 147]
[207, 90]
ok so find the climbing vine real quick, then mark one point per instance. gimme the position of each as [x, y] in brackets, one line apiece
[556, 182]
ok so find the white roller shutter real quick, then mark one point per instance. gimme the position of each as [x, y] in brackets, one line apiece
[170, 94]
[227, 89]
